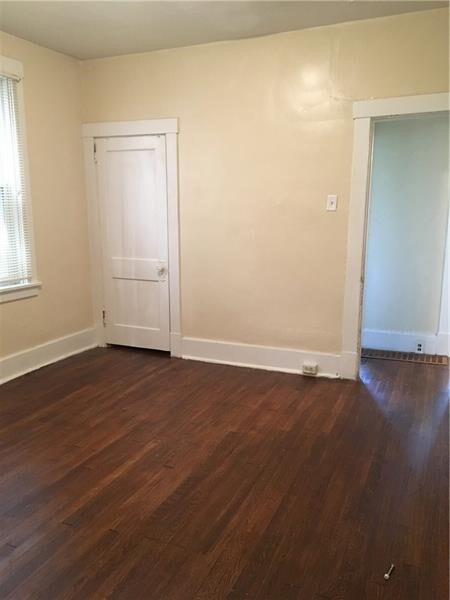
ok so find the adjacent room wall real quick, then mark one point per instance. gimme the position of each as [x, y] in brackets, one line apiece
[407, 231]
[52, 104]
[265, 135]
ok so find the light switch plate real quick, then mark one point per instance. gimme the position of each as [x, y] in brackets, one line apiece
[332, 202]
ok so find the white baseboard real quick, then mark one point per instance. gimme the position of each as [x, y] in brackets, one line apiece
[286, 360]
[443, 344]
[401, 341]
[20, 363]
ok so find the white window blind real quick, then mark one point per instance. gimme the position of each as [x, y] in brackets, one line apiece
[15, 226]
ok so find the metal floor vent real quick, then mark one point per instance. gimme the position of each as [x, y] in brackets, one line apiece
[429, 359]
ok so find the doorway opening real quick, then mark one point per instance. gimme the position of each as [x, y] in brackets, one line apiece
[405, 303]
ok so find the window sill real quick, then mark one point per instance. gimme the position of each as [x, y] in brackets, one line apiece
[18, 292]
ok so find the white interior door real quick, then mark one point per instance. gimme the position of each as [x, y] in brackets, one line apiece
[131, 175]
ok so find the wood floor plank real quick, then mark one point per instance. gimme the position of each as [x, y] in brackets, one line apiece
[127, 474]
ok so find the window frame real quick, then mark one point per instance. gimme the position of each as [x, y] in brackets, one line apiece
[13, 68]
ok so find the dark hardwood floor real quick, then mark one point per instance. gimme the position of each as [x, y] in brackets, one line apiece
[126, 474]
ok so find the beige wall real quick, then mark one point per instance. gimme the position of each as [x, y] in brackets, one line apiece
[265, 135]
[52, 103]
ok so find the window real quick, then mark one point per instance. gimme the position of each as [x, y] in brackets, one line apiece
[17, 277]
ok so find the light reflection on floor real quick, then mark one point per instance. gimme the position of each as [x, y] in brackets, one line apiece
[417, 438]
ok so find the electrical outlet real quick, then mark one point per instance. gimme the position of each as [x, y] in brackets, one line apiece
[419, 347]
[310, 368]
[332, 202]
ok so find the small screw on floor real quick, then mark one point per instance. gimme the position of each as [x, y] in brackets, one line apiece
[389, 573]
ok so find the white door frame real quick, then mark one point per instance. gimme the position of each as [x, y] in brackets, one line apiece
[168, 128]
[364, 114]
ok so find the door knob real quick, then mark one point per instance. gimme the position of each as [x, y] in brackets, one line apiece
[161, 271]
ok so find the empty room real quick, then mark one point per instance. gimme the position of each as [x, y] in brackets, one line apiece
[224, 300]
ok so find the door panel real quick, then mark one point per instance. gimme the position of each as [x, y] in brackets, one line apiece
[133, 204]
[147, 269]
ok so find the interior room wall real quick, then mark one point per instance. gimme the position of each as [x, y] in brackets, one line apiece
[443, 345]
[265, 135]
[407, 230]
[52, 106]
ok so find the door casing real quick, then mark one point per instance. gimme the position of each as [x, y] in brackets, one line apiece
[168, 128]
[365, 112]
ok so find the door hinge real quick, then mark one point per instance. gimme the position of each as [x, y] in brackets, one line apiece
[104, 318]
[95, 152]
